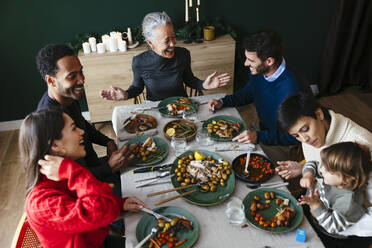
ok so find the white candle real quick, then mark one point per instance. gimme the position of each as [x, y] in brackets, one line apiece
[86, 48]
[122, 45]
[113, 44]
[190, 3]
[130, 40]
[186, 12]
[92, 43]
[198, 2]
[101, 48]
[105, 40]
[113, 34]
[197, 14]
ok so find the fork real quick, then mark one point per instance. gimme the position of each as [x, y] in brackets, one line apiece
[143, 241]
[156, 215]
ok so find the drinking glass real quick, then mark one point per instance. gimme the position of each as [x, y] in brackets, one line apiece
[203, 138]
[191, 116]
[235, 211]
[179, 145]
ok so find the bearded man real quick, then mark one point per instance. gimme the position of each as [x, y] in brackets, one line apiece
[270, 82]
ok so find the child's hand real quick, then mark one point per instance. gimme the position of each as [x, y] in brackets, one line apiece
[50, 166]
[307, 181]
[312, 200]
[133, 204]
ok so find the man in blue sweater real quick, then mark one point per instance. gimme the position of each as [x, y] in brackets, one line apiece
[269, 84]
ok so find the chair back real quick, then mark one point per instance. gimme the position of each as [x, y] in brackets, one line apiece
[24, 236]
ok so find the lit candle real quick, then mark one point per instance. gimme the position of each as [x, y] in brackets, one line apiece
[197, 14]
[105, 40]
[186, 12]
[190, 3]
[113, 44]
[122, 45]
[198, 2]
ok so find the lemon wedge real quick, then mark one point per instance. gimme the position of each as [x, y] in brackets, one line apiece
[170, 132]
[199, 156]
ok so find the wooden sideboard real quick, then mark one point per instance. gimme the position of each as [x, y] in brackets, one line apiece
[103, 70]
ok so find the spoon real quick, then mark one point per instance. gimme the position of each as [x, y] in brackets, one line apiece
[246, 172]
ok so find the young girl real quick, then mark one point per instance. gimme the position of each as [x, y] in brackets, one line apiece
[66, 205]
[339, 201]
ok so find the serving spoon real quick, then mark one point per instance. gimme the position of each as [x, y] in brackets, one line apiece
[246, 172]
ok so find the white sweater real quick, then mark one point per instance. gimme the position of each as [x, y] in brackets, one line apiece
[343, 129]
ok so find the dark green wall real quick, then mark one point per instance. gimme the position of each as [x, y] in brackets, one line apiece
[26, 26]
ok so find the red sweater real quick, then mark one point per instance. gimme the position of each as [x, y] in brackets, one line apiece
[73, 212]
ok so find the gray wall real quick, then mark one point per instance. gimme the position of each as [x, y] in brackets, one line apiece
[26, 26]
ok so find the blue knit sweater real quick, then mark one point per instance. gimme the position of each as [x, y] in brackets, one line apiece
[267, 97]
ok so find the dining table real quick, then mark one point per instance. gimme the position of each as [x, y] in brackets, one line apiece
[214, 227]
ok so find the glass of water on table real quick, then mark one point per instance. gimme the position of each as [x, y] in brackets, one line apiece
[179, 145]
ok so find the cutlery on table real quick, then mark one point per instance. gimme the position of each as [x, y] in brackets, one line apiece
[152, 168]
[152, 184]
[175, 197]
[143, 241]
[268, 185]
[156, 215]
[246, 172]
[161, 175]
[174, 189]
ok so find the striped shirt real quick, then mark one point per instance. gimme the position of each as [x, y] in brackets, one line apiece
[340, 208]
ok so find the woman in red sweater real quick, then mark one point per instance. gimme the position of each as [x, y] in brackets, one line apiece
[66, 205]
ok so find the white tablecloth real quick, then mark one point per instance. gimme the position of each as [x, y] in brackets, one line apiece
[215, 231]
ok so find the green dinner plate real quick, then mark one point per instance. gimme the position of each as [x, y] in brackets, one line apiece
[160, 144]
[227, 118]
[147, 222]
[270, 213]
[205, 198]
[164, 110]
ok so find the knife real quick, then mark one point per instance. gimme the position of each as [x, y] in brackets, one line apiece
[152, 168]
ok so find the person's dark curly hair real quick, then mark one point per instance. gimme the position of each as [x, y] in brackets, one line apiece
[47, 57]
[266, 43]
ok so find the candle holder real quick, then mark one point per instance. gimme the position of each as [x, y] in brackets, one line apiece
[198, 30]
[188, 29]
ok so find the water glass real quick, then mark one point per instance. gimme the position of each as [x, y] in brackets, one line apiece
[179, 145]
[191, 116]
[203, 138]
[235, 211]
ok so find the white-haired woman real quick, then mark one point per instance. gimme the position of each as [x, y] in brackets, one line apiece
[164, 68]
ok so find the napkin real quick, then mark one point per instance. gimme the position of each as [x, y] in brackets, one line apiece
[234, 147]
[123, 135]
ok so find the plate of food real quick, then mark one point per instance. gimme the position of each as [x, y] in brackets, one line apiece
[180, 129]
[224, 127]
[181, 232]
[272, 210]
[148, 150]
[175, 106]
[260, 168]
[212, 176]
[140, 123]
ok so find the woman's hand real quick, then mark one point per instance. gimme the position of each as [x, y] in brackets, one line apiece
[288, 169]
[133, 204]
[50, 166]
[307, 181]
[312, 200]
[213, 81]
[114, 94]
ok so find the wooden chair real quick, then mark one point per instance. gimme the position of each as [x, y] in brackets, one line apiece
[193, 92]
[24, 236]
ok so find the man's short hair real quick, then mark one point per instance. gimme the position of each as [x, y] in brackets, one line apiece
[294, 107]
[47, 57]
[266, 43]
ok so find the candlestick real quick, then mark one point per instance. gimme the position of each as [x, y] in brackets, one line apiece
[197, 14]
[190, 3]
[186, 12]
